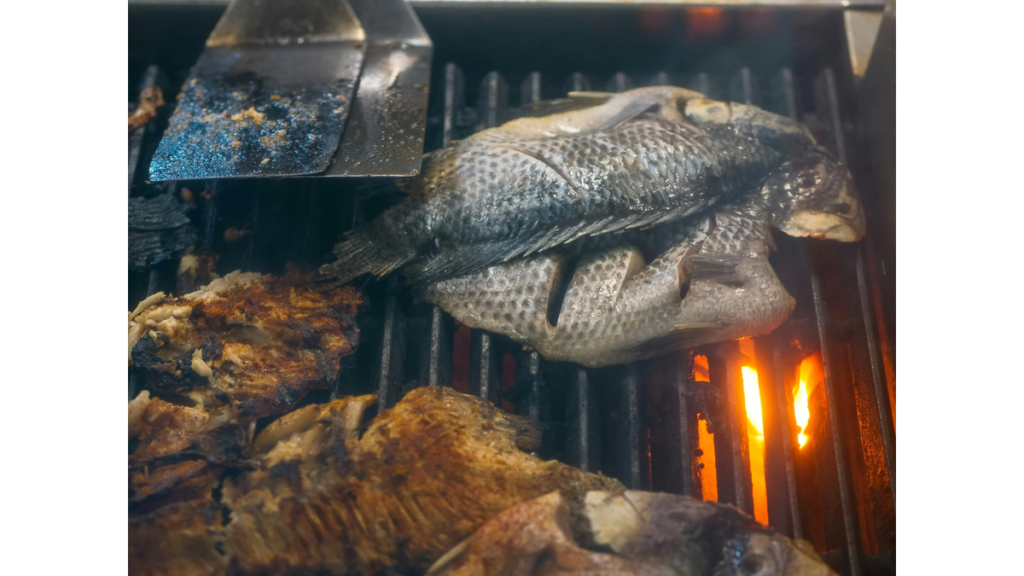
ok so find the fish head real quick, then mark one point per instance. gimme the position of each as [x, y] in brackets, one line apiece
[763, 554]
[771, 129]
[813, 195]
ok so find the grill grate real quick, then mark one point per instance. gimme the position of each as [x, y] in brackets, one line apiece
[639, 422]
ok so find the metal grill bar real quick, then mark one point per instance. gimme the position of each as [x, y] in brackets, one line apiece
[785, 403]
[826, 96]
[779, 446]
[839, 445]
[390, 374]
[582, 438]
[881, 393]
[139, 136]
[485, 366]
[685, 451]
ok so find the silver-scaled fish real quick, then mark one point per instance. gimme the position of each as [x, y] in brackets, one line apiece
[639, 159]
[713, 283]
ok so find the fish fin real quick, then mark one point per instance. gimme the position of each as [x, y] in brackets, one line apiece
[631, 110]
[590, 94]
[457, 261]
[682, 337]
[359, 254]
[721, 268]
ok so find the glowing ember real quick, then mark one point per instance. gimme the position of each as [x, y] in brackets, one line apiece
[803, 413]
[755, 434]
[706, 440]
[810, 375]
[752, 393]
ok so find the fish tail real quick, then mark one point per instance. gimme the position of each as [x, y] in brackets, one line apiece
[361, 254]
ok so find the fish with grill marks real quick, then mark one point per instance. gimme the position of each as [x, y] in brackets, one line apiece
[258, 343]
[631, 161]
[322, 491]
[711, 282]
[629, 533]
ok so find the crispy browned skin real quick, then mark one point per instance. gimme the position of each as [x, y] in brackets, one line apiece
[639, 533]
[184, 536]
[175, 526]
[149, 100]
[532, 539]
[265, 341]
[424, 476]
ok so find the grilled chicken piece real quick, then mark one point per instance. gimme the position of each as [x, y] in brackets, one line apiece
[647, 534]
[423, 476]
[257, 343]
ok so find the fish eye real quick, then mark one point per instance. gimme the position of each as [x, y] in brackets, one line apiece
[751, 565]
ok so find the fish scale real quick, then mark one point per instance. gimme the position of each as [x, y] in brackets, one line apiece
[535, 183]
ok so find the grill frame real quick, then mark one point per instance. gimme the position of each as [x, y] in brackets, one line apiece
[603, 419]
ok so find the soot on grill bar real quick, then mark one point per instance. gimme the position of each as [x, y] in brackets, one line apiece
[633, 312]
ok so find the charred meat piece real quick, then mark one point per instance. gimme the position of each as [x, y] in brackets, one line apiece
[157, 227]
[639, 533]
[256, 343]
[424, 475]
[633, 160]
[149, 100]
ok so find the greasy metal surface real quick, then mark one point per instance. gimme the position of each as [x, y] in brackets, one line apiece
[881, 394]
[785, 404]
[267, 97]
[861, 31]
[282, 23]
[439, 358]
[786, 102]
[582, 420]
[631, 384]
[683, 385]
[850, 529]
[389, 377]
[138, 136]
[484, 368]
[385, 130]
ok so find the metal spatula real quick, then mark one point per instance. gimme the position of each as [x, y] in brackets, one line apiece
[269, 95]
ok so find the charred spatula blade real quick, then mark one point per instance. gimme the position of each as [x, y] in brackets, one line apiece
[269, 95]
[385, 131]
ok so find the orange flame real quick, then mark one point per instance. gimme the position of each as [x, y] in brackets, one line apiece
[706, 440]
[810, 375]
[752, 393]
[803, 413]
[755, 433]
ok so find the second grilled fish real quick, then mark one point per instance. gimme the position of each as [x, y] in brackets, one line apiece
[641, 158]
[713, 283]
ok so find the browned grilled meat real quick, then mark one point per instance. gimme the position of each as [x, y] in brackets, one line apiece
[149, 100]
[256, 343]
[640, 534]
[174, 524]
[424, 476]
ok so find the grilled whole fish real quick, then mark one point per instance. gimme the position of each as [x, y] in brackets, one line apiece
[641, 533]
[618, 309]
[712, 283]
[641, 158]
